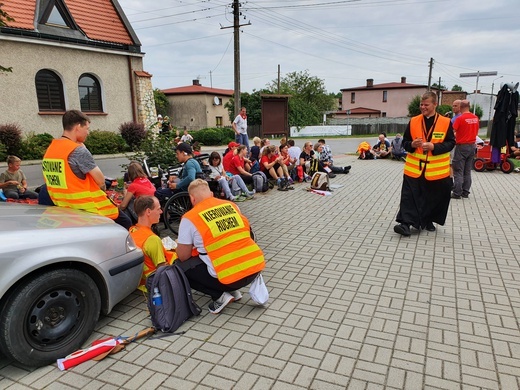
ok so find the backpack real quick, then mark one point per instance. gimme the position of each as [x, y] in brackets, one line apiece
[177, 301]
[313, 166]
[299, 173]
[320, 181]
[260, 183]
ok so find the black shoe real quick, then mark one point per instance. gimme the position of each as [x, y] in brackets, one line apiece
[332, 175]
[346, 169]
[453, 196]
[465, 196]
[430, 227]
[402, 229]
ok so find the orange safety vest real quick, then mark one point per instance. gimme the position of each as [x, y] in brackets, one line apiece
[227, 240]
[140, 234]
[68, 190]
[434, 167]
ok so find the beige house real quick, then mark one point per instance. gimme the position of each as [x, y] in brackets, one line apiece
[379, 100]
[196, 107]
[72, 54]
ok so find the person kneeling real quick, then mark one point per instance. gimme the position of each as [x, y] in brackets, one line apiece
[217, 252]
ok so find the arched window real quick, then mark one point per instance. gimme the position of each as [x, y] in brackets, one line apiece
[89, 93]
[49, 91]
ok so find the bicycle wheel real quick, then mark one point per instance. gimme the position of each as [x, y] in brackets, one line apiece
[174, 209]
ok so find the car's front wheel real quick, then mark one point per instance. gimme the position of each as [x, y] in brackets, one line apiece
[49, 316]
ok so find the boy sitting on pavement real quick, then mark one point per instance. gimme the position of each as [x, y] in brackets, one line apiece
[148, 210]
[13, 181]
[398, 152]
[382, 149]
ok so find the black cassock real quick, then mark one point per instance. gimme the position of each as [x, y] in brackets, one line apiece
[422, 200]
[506, 111]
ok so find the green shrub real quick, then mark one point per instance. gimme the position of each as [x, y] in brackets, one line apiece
[158, 150]
[105, 142]
[214, 136]
[33, 147]
[11, 137]
[443, 109]
[133, 133]
[3, 152]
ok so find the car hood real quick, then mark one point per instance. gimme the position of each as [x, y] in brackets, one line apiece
[20, 217]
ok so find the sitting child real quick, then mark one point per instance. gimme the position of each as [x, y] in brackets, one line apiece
[231, 185]
[13, 181]
[139, 185]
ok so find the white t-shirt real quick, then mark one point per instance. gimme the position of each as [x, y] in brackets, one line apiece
[189, 235]
[294, 152]
[241, 124]
[187, 138]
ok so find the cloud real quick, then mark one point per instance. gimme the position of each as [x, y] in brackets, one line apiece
[342, 42]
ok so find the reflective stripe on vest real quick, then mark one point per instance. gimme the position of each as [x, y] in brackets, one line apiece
[226, 238]
[68, 190]
[434, 167]
[140, 234]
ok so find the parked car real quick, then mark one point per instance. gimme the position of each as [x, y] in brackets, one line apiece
[61, 268]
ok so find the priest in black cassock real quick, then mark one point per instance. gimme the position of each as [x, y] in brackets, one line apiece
[426, 190]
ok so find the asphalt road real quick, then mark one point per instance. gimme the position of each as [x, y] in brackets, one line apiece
[111, 165]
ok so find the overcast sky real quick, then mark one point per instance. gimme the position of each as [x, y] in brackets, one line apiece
[342, 42]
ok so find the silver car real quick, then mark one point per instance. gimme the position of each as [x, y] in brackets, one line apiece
[60, 269]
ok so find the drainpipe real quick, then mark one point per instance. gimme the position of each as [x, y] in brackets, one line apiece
[132, 89]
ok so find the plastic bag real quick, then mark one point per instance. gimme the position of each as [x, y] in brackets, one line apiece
[168, 243]
[258, 290]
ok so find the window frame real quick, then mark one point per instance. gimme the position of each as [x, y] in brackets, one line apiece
[97, 97]
[385, 96]
[46, 101]
[352, 97]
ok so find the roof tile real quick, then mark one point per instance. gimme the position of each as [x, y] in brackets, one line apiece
[98, 19]
[195, 89]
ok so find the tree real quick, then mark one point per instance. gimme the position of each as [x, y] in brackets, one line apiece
[4, 17]
[252, 102]
[162, 105]
[437, 86]
[413, 107]
[309, 99]
[478, 111]
[457, 88]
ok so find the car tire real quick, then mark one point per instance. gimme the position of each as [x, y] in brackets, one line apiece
[49, 316]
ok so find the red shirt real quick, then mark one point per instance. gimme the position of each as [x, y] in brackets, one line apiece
[236, 162]
[466, 127]
[141, 186]
[226, 160]
[267, 159]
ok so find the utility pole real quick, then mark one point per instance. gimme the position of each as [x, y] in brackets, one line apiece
[236, 35]
[430, 75]
[278, 79]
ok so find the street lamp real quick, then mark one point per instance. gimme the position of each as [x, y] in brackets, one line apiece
[491, 100]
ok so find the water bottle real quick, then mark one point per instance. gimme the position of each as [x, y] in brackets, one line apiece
[156, 297]
[164, 182]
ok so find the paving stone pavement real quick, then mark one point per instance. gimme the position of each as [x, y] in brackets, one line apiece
[352, 304]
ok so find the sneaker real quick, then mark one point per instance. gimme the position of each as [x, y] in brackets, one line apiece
[465, 195]
[453, 196]
[346, 169]
[237, 295]
[239, 198]
[332, 175]
[403, 159]
[402, 229]
[216, 307]
[249, 196]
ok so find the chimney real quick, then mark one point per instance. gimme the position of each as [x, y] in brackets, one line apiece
[403, 80]
[196, 82]
[370, 83]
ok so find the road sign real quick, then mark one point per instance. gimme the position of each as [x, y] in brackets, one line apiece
[477, 74]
